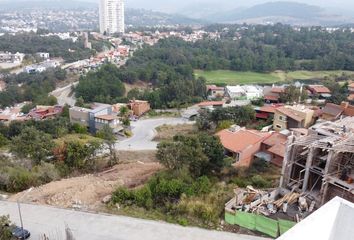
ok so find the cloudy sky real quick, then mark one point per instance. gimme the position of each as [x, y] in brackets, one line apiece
[171, 5]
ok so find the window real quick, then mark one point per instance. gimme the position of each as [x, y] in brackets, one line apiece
[282, 118]
[278, 126]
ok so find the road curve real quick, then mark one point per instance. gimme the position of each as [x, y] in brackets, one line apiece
[51, 221]
[144, 132]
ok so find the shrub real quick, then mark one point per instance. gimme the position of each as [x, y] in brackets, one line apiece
[259, 182]
[20, 179]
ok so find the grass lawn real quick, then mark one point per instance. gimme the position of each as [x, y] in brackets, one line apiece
[233, 78]
[82, 138]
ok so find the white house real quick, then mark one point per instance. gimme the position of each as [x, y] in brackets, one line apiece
[248, 92]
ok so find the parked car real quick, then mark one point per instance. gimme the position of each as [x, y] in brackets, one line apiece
[20, 233]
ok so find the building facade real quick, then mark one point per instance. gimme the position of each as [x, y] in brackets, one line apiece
[111, 16]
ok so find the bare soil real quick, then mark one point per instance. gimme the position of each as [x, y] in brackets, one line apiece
[87, 192]
[167, 132]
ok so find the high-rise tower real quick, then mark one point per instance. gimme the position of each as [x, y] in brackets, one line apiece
[111, 16]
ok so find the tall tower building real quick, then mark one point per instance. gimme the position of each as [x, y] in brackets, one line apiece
[111, 16]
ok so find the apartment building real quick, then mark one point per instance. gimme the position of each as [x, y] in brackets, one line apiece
[111, 14]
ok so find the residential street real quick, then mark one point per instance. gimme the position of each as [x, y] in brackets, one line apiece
[64, 96]
[88, 226]
[144, 132]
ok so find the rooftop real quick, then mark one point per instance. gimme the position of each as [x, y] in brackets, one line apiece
[239, 140]
[319, 89]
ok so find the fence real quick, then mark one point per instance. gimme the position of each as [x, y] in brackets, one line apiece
[259, 223]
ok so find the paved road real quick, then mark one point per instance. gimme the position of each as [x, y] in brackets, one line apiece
[64, 95]
[144, 132]
[89, 226]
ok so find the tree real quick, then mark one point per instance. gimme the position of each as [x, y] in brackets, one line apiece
[199, 155]
[80, 102]
[107, 134]
[34, 144]
[5, 232]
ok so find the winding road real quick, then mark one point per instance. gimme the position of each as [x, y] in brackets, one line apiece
[144, 132]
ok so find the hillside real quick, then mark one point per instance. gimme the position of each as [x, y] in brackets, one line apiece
[285, 12]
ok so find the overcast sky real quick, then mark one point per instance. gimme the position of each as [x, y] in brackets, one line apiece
[178, 4]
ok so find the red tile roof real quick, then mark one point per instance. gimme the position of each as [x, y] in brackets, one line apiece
[214, 87]
[271, 98]
[275, 139]
[319, 89]
[240, 140]
[106, 117]
[333, 110]
[277, 90]
[278, 149]
[290, 113]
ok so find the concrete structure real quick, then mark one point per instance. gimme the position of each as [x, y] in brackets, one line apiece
[7, 57]
[333, 221]
[321, 164]
[95, 118]
[297, 116]
[43, 55]
[139, 107]
[111, 16]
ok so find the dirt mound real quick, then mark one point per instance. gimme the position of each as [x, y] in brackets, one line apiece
[87, 192]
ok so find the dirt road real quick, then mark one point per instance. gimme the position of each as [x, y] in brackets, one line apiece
[87, 191]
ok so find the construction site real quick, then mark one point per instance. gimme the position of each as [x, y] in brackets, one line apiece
[317, 167]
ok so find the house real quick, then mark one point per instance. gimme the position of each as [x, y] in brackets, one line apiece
[272, 94]
[274, 146]
[211, 105]
[247, 92]
[235, 92]
[319, 91]
[8, 57]
[43, 55]
[139, 107]
[266, 112]
[95, 118]
[214, 91]
[45, 112]
[351, 87]
[288, 117]
[333, 111]
[241, 144]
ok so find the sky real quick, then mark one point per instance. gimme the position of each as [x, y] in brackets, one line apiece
[173, 5]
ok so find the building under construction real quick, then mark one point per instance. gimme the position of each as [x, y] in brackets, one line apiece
[320, 165]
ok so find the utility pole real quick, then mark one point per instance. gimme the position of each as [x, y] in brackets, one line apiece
[19, 211]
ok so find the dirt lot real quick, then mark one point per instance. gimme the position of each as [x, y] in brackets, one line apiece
[167, 132]
[87, 192]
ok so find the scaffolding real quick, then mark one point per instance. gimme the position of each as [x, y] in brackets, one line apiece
[321, 165]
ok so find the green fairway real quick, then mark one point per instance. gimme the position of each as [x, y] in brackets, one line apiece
[233, 78]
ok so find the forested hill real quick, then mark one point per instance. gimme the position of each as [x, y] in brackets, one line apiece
[169, 65]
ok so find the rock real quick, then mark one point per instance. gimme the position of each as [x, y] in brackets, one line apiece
[107, 199]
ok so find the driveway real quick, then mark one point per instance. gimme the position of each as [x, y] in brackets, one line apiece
[144, 133]
[51, 221]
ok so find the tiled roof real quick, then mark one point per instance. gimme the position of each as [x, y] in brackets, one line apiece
[333, 110]
[271, 97]
[240, 140]
[106, 117]
[277, 90]
[275, 138]
[290, 113]
[215, 88]
[319, 89]
[278, 149]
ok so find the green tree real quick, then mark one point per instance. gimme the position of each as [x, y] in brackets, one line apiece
[107, 134]
[5, 232]
[33, 143]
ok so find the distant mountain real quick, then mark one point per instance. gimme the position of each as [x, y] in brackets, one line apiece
[143, 18]
[285, 12]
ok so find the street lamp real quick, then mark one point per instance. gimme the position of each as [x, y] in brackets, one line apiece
[19, 210]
